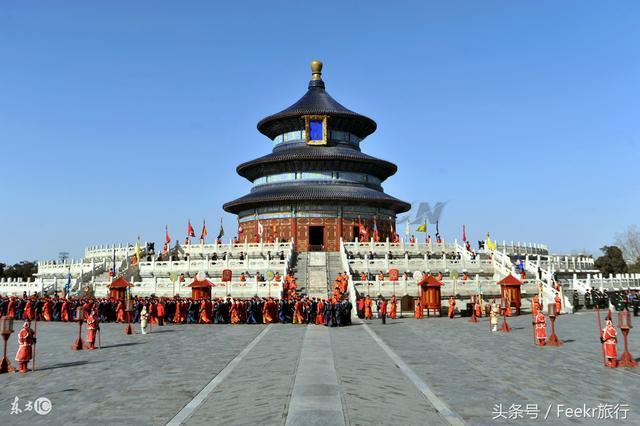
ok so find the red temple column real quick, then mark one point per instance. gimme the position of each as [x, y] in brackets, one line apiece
[294, 228]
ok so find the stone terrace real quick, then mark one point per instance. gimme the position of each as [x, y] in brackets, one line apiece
[149, 379]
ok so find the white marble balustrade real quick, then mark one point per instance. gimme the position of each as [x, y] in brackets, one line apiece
[164, 288]
[486, 287]
[422, 264]
[211, 266]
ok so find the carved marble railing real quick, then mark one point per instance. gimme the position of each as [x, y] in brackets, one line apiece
[167, 288]
[423, 264]
[613, 282]
[17, 287]
[486, 287]
[211, 266]
[522, 248]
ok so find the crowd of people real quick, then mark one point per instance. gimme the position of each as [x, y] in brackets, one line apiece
[179, 310]
[621, 300]
[628, 300]
[594, 298]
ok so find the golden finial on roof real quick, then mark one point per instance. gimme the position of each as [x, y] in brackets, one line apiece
[316, 70]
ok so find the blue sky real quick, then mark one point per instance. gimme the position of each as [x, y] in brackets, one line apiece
[120, 117]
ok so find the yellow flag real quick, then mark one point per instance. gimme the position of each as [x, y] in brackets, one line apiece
[138, 248]
[490, 244]
[422, 228]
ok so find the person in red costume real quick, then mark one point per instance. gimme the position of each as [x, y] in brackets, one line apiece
[11, 308]
[120, 312]
[151, 309]
[368, 313]
[205, 309]
[541, 328]
[382, 310]
[26, 339]
[92, 329]
[452, 307]
[161, 312]
[28, 312]
[393, 306]
[320, 312]
[417, 312]
[298, 317]
[64, 312]
[609, 340]
[558, 303]
[46, 310]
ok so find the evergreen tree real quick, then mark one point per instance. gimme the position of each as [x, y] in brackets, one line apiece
[612, 262]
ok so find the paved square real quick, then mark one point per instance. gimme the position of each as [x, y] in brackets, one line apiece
[149, 379]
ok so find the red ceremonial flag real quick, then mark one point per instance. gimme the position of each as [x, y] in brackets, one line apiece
[204, 230]
[190, 231]
[464, 234]
[376, 237]
[167, 238]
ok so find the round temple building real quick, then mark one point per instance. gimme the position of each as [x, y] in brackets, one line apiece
[316, 186]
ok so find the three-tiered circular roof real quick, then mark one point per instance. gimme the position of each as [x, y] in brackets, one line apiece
[299, 157]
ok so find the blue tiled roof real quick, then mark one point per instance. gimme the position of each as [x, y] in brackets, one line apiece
[298, 192]
[301, 158]
[316, 101]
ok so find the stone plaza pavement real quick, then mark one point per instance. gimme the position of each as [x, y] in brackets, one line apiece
[409, 372]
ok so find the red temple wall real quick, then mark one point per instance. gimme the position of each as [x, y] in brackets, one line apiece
[298, 228]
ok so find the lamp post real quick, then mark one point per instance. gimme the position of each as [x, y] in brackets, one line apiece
[553, 313]
[128, 308]
[624, 322]
[78, 344]
[6, 328]
[505, 325]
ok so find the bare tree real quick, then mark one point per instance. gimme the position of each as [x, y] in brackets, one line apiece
[629, 243]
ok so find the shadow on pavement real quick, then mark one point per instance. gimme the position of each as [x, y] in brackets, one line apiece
[117, 345]
[64, 365]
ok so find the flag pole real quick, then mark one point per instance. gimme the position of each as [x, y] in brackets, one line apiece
[604, 358]
[35, 335]
[533, 324]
